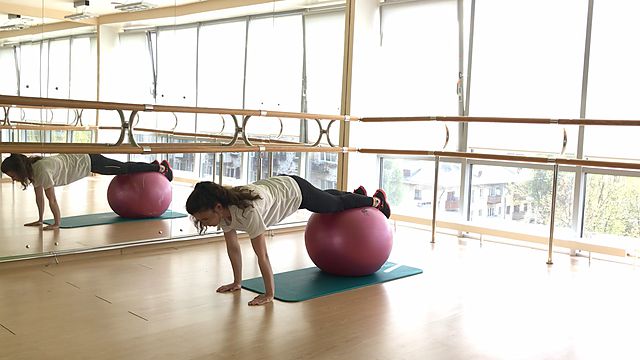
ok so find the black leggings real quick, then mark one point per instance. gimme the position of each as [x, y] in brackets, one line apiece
[328, 201]
[105, 166]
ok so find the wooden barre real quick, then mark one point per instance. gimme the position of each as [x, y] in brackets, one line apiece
[180, 148]
[503, 120]
[200, 135]
[102, 105]
[49, 127]
[157, 148]
[512, 158]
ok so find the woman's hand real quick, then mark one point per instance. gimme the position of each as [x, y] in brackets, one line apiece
[51, 227]
[229, 288]
[261, 300]
[35, 223]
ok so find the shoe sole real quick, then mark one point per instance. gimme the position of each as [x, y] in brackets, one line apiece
[384, 194]
[364, 191]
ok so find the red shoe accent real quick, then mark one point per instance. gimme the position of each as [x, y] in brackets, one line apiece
[360, 190]
[384, 205]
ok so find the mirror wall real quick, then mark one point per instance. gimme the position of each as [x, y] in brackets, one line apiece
[272, 55]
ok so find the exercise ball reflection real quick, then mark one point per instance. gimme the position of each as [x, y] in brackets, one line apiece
[139, 195]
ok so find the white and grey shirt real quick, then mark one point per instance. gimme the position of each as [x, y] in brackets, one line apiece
[60, 169]
[280, 196]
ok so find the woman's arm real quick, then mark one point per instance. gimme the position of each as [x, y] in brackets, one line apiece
[55, 209]
[40, 202]
[235, 255]
[260, 247]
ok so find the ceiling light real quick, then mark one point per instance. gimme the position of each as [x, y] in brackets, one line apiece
[16, 22]
[82, 14]
[135, 6]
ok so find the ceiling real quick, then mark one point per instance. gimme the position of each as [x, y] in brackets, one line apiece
[47, 17]
[98, 7]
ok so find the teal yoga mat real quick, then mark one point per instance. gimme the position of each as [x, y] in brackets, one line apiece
[309, 283]
[107, 218]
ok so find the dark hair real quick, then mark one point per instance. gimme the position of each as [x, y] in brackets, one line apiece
[206, 195]
[20, 166]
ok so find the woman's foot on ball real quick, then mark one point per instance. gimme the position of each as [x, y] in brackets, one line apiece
[382, 205]
[360, 191]
[167, 172]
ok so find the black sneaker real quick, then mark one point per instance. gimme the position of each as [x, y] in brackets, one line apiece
[168, 173]
[360, 191]
[384, 205]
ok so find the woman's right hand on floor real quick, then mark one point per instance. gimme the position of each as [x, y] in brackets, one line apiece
[228, 288]
[35, 223]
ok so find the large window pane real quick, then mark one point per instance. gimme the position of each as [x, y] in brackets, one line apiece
[409, 187]
[58, 80]
[274, 72]
[417, 75]
[612, 212]
[83, 77]
[33, 76]
[220, 73]
[513, 196]
[177, 49]
[177, 58]
[322, 170]
[523, 69]
[613, 77]
[281, 163]
[9, 83]
[324, 46]
[233, 173]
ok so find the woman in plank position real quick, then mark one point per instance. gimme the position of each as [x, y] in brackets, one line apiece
[45, 173]
[253, 208]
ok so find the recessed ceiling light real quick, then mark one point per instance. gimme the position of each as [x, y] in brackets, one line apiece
[135, 6]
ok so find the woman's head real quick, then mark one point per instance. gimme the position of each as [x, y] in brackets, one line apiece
[208, 201]
[18, 167]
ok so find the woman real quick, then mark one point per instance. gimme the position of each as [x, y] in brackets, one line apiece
[253, 208]
[45, 173]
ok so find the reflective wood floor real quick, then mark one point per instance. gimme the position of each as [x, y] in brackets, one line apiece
[491, 302]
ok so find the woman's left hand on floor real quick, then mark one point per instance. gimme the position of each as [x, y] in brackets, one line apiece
[261, 300]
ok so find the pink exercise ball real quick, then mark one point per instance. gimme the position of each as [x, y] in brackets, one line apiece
[353, 242]
[139, 195]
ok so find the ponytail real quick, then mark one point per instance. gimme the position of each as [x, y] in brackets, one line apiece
[21, 168]
[206, 195]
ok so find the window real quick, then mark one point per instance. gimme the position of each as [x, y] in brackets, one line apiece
[612, 207]
[613, 65]
[407, 194]
[413, 72]
[512, 67]
[526, 193]
[324, 42]
[9, 83]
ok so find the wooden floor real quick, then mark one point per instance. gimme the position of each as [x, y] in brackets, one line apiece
[491, 302]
